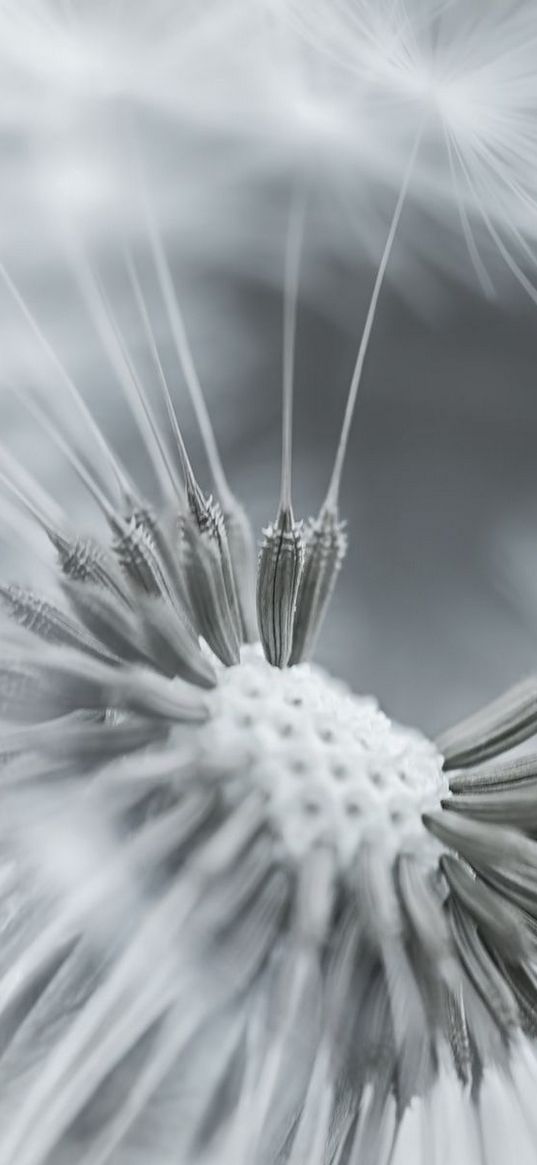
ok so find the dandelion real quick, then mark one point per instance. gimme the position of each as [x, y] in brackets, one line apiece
[244, 916]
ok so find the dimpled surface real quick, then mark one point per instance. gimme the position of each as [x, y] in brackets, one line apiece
[330, 764]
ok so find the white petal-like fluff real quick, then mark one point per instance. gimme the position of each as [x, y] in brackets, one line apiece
[466, 67]
[247, 98]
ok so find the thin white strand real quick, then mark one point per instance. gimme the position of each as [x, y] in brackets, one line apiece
[153, 347]
[31, 495]
[74, 393]
[65, 448]
[509, 260]
[113, 344]
[475, 258]
[489, 160]
[172, 415]
[333, 488]
[19, 526]
[293, 247]
[27, 503]
[184, 351]
[179, 1028]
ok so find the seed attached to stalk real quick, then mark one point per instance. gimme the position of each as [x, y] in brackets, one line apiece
[282, 553]
[278, 579]
[326, 543]
[325, 549]
[209, 577]
[235, 533]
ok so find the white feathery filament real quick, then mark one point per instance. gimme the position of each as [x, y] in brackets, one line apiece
[295, 232]
[331, 501]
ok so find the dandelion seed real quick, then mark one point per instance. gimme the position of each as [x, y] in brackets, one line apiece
[278, 581]
[282, 551]
[326, 544]
[237, 527]
[325, 548]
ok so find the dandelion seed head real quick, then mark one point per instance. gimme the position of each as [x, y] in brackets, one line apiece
[330, 766]
[263, 877]
[245, 916]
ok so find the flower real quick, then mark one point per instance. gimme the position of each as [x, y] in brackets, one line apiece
[243, 916]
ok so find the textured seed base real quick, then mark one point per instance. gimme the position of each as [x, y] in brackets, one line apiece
[331, 765]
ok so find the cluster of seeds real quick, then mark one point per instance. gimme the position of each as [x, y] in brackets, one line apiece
[330, 765]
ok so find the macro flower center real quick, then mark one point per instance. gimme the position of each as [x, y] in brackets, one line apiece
[330, 765]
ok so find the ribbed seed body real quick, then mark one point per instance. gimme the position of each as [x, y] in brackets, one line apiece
[278, 578]
[325, 548]
[209, 576]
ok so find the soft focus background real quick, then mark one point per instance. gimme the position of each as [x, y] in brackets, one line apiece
[436, 608]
